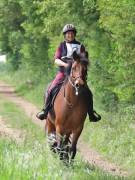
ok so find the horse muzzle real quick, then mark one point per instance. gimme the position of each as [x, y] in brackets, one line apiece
[79, 82]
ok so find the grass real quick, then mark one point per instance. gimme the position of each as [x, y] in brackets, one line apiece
[113, 137]
[27, 85]
[32, 159]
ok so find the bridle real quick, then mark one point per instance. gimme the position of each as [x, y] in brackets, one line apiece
[72, 81]
[73, 85]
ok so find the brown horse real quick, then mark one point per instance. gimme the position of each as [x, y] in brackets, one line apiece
[66, 122]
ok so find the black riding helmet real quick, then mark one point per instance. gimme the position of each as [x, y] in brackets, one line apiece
[69, 27]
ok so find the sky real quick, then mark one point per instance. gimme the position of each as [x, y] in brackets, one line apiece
[2, 58]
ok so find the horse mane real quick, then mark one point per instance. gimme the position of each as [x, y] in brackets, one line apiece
[81, 58]
[67, 72]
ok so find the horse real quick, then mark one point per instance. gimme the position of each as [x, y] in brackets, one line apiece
[65, 123]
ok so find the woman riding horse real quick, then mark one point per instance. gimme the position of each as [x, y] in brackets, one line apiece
[65, 50]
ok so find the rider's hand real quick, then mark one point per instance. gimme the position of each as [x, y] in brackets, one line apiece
[61, 63]
[66, 65]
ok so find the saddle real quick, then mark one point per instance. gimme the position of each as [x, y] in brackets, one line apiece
[55, 91]
[52, 96]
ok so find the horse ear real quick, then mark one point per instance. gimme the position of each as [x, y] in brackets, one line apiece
[75, 55]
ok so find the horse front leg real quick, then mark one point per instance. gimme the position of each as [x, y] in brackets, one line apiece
[51, 134]
[49, 127]
[74, 141]
[62, 144]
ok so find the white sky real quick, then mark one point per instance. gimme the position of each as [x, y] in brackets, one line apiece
[2, 58]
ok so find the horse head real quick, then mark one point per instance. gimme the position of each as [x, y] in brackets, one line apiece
[78, 71]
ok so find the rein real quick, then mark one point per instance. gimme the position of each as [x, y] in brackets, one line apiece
[73, 85]
[69, 103]
[76, 93]
[73, 82]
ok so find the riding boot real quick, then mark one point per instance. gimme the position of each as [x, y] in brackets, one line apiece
[93, 115]
[43, 114]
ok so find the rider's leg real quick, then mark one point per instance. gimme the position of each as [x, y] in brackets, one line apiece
[93, 115]
[43, 114]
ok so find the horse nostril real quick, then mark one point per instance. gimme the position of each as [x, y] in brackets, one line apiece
[77, 85]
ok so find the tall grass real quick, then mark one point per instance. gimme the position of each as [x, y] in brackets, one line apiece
[31, 158]
[113, 137]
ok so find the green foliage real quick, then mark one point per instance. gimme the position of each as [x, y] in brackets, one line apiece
[11, 33]
[117, 19]
[30, 33]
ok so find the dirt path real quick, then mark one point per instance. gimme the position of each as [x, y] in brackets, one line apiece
[12, 133]
[87, 153]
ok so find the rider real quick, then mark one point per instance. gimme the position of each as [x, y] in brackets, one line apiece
[66, 49]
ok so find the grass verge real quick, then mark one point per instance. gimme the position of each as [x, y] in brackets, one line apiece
[113, 137]
[32, 159]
